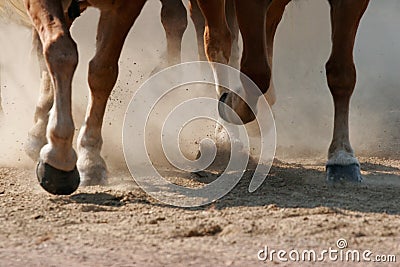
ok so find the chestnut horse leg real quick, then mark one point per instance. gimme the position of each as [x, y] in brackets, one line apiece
[114, 25]
[216, 44]
[258, 21]
[341, 74]
[230, 10]
[251, 17]
[274, 17]
[174, 21]
[217, 36]
[256, 34]
[199, 24]
[37, 134]
[57, 171]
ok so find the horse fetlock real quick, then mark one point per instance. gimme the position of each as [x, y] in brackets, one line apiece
[270, 95]
[60, 130]
[89, 142]
[92, 168]
[34, 144]
[342, 158]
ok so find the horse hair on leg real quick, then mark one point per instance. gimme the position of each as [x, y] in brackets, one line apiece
[57, 171]
[341, 75]
[103, 73]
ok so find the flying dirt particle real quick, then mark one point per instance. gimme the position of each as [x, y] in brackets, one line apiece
[37, 216]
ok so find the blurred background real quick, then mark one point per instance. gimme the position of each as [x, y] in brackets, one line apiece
[304, 108]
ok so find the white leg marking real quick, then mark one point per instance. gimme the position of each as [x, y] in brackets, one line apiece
[92, 167]
[342, 158]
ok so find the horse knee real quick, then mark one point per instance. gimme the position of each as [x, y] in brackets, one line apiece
[102, 75]
[218, 45]
[341, 78]
[174, 17]
[61, 54]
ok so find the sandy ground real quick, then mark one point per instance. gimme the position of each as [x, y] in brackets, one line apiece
[119, 225]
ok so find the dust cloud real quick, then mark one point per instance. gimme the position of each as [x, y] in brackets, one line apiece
[304, 108]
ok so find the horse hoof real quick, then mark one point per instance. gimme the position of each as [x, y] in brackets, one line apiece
[221, 108]
[57, 182]
[238, 115]
[227, 114]
[343, 173]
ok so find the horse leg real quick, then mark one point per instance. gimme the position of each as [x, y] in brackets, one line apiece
[199, 24]
[341, 75]
[230, 10]
[251, 17]
[56, 170]
[216, 43]
[252, 23]
[217, 36]
[37, 134]
[103, 73]
[274, 16]
[174, 21]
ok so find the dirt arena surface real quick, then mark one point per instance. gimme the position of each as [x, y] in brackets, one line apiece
[119, 225]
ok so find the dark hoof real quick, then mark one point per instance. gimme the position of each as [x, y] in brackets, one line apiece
[221, 106]
[57, 182]
[343, 173]
[241, 114]
[228, 114]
